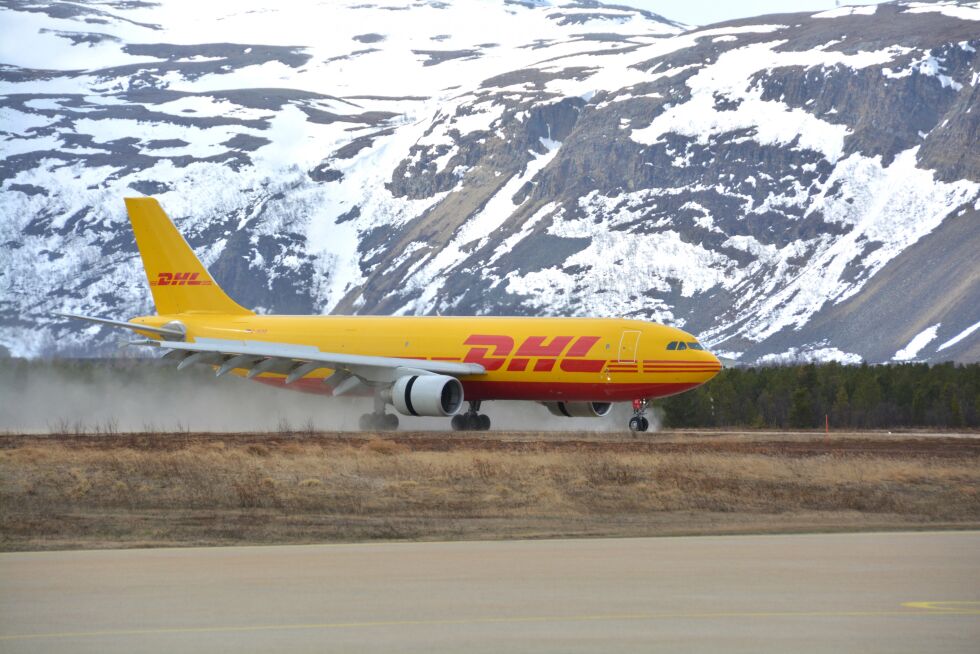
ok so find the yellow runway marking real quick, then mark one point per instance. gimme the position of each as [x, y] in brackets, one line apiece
[912, 609]
[945, 607]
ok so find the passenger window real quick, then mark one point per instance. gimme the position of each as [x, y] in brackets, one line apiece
[695, 346]
[681, 345]
[672, 345]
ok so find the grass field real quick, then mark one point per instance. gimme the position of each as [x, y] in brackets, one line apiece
[131, 490]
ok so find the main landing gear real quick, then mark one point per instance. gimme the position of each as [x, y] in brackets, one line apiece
[378, 420]
[472, 420]
[639, 420]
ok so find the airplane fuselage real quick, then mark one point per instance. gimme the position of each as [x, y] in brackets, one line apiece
[538, 359]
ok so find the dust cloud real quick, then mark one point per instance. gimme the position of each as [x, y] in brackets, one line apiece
[146, 395]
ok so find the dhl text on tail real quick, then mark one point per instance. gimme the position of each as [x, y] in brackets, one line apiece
[422, 366]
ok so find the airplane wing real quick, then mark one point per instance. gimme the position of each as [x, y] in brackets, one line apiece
[296, 361]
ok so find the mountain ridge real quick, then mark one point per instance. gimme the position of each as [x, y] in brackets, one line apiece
[748, 181]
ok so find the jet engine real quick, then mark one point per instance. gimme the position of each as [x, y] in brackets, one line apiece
[427, 395]
[579, 409]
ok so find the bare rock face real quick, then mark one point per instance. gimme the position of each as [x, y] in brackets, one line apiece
[794, 186]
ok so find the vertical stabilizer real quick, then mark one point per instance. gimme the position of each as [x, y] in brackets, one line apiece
[178, 280]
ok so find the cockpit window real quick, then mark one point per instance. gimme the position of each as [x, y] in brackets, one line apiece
[684, 345]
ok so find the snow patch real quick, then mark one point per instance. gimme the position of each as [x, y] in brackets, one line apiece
[867, 10]
[959, 337]
[810, 353]
[929, 65]
[478, 121]
[966, 11]
[741, 29]
[918, 342]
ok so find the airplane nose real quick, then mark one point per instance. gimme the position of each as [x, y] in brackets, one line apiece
[712, 361]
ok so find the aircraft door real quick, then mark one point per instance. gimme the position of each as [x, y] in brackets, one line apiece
[628, 344]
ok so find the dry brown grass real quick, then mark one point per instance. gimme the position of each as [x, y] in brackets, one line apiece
[58, 495]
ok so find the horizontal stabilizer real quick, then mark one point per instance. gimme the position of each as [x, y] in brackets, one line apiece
[162, 331]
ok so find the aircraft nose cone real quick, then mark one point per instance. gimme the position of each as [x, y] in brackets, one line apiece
[713, 361]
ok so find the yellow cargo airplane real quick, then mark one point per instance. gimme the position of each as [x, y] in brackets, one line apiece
[423, 366]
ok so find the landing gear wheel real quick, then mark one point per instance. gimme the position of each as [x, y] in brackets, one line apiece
[378, 422]
[639, 420]
[472, 420]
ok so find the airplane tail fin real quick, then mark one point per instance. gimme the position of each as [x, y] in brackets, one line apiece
[178, 280]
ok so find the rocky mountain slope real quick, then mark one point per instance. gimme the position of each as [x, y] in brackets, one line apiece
[796, 185]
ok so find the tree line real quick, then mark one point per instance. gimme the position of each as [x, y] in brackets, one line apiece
[944, 395]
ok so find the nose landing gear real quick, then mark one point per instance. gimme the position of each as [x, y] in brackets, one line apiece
[639, 420]
[472, 420]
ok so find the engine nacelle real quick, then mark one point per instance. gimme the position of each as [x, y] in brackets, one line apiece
[427, 395]
[579, 409]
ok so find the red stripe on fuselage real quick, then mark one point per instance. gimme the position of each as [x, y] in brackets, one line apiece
[681, 368]
[679, 371]
[569, 391]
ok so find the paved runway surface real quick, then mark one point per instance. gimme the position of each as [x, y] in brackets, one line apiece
[909, 592]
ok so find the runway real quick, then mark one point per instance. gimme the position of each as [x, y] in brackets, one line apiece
[883, 592]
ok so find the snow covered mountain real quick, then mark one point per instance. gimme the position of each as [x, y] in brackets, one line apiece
[796, 185]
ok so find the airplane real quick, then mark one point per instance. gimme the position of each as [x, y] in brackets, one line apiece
[420, 365]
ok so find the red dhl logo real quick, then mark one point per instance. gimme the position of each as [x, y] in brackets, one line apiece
[492, 351]
[180, 279]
